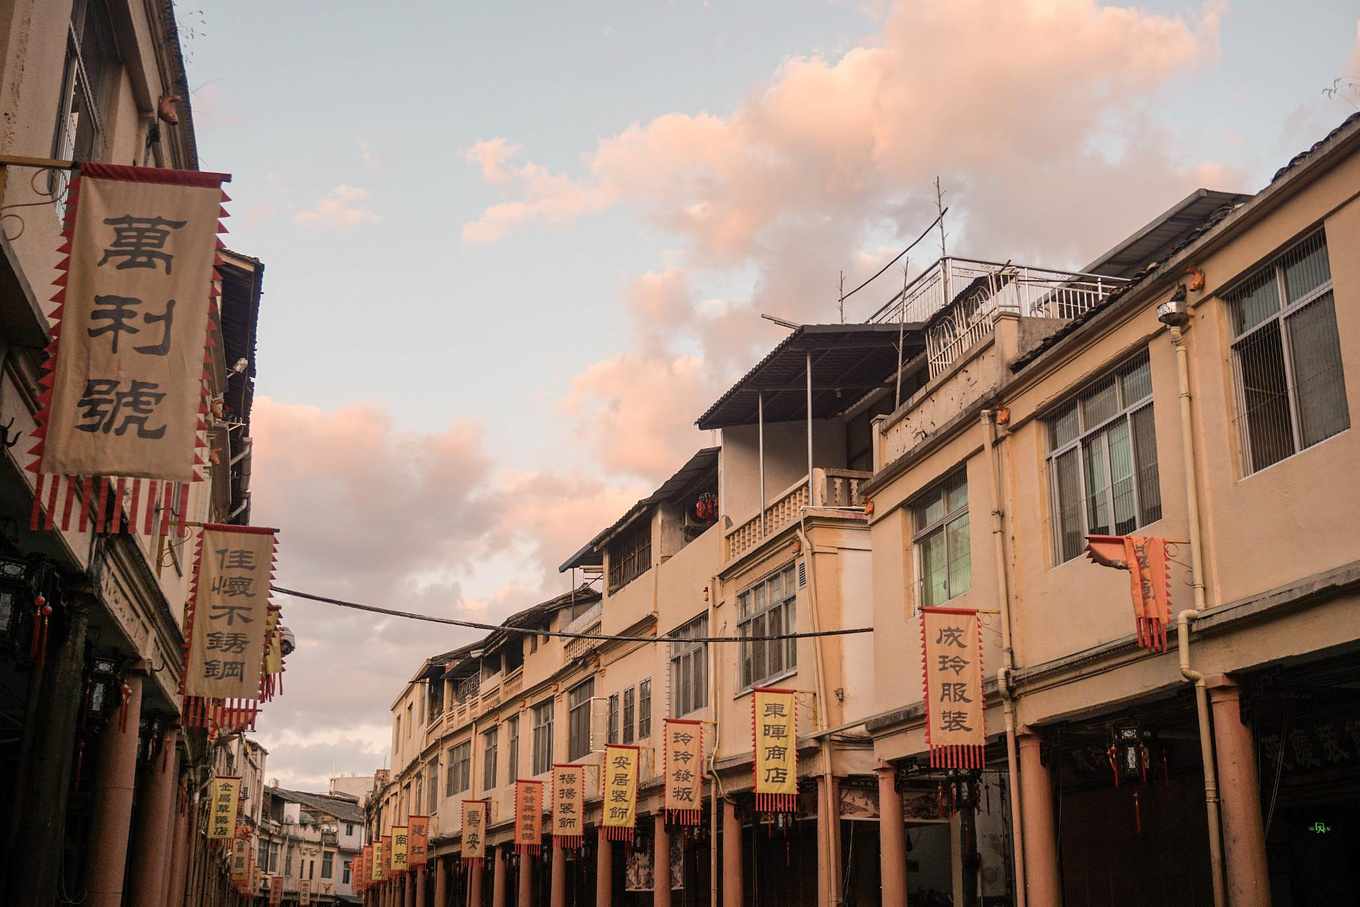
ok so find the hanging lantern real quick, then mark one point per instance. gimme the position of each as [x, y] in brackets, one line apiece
[15, 596]
[102, 693]
[1129, 754]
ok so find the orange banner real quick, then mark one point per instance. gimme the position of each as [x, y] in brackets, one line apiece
[276, 890]
[474, 831]
[618, 778]
[569, 805]
[528, 816]
[774, 725]
[388, 870]
[418, 842]
[226, 792]
[684, 760]
[240, 859]
[951, 647]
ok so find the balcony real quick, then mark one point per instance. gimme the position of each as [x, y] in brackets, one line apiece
[959, 298]
[834, 489]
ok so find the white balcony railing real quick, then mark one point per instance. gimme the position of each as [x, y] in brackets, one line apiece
[978, 290]
[832, 488]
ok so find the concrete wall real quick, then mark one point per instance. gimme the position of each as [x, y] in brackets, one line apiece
[785, 461]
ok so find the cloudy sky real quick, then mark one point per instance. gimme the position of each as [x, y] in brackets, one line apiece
[514, 249]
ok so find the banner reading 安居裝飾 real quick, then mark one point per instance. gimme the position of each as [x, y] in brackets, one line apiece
[228, 624]
[126, 389]
[528, 816]
[568, 805]
[226, 792]
[683, 743]
[775, 727]
[474, 832]
[951, 647]
[417, 841]
[618, 780]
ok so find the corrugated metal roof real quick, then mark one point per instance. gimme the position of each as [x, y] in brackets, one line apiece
[1154, 242]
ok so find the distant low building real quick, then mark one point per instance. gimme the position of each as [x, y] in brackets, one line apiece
[315, 837]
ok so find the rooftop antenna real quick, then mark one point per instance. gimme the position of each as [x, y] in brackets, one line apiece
[901, 331]
[841, 298]
[939, 206]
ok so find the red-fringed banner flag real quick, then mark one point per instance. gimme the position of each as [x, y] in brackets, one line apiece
[568, 805]
[417, 841]
[619, 778]
[1149, 579]
[474, 832]
[125, 402]
[683, 758]
[951, 649]
[528, 817]
[774, 725]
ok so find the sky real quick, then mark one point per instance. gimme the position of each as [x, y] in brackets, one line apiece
[513, 250]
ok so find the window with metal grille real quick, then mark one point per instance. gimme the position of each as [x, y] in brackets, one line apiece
[489, 743]
[689, 667]
[944, 560]
[613, 733]
[629, 714]
[644, 723]
[768, 609]
[512, 749]
[630, 555]
[89, 79]
[1102, 461]
[578, 719]
[543, 731]
[1291, 390]
[460, 768]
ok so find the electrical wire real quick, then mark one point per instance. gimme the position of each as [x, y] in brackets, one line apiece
[600, 637]
[927, 230]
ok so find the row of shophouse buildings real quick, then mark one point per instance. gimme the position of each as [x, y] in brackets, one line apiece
[1197, 384]
[103, 789]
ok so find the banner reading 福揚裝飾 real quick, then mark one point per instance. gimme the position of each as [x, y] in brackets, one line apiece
[568, 805]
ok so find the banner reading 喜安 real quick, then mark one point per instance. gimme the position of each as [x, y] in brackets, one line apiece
[775, 727]
[618, 779]
[474, 832]
[683, 743]
[951, 647]
[226, 792]
[568, 805]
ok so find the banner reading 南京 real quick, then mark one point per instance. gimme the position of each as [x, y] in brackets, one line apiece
[568, 805]
[683, 760]
[618, 780]
[126, 389]
[399, 844]
[775, 727]
[226, 792]
[417, 842]
[528, 816]
[474, 832]
[951, 647]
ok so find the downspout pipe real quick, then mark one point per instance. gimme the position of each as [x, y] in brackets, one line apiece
[832, 809]
[1206, 739]
[1003, 674]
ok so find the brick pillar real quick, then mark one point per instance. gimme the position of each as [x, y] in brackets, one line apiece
[524, 896]
[892, 839]
[1244, 838]
[1041, 833]
[441, 882]
[151, 850]
[731, 856]
[604, 871]
[113, 792]
[661, 861]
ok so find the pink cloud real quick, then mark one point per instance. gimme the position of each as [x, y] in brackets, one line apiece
[342, 208]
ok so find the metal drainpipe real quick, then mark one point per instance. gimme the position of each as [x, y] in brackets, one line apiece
[1206, 740]
[1003, 685]
[714, 880]
[823, 718]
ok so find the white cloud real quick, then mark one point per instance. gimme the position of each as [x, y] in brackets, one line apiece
[343, 208]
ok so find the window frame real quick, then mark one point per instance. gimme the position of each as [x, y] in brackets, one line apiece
[630, 554]
[490, 747]
[689, 667]
[644, 715]
[612, 735]
[459, 768]
[923, 532]
[542, 761]
[328, 864]
[512, 749]
[787, 609]
[579, 699]
[1145, 512]
[629, 715]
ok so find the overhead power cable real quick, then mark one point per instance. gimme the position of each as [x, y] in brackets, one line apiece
[600, 637]
[937, 219]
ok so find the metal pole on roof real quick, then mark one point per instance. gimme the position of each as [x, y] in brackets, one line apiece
[901, 331]
[809, 426]
[760, 421]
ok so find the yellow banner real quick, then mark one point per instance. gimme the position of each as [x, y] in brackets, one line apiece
[230, 619]
[569, 804]
[226, 792]
[776, 749]
[619, 776]
[379, 862]
[474, 830]
[952, 649]
[399, 842]
[684, 760]
[240, 858]
[418, 843]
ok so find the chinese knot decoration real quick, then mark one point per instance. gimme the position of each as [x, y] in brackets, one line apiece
[951, 650]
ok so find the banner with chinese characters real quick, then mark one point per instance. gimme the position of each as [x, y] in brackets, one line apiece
[227, 625]
[378, 862]
[273, 657]
[951, 648]
[474, 832]
[388, 871]
[399, 851]
[775, 728]
[240, 860]
[1149, 578]
[366, 865]
[304, 892]
[568, 805]
[126, 383]
[417, 842]
[226, 792]
[276, 890]
[618, 779]
[683, 758]
[528, 816]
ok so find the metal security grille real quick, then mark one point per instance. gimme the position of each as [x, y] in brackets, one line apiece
[1291, 390]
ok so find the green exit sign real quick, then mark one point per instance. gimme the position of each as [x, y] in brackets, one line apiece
[1319, 828]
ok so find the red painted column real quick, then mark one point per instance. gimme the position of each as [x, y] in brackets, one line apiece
[114, 788]
[661, 861]
[892, 839]
[558, 891]
[525, 892]
[151, 850]
[1244, 838]
[441, 882]
[498, 878]
[415, 885]
[731, 855]
[475, 873]
[179, 858]
[604, 871]
[1041, 833]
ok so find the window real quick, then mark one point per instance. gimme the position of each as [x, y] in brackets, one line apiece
[768, 609]
[345, 878]
[630, 555]
[273, 859]
[410, 712]
[327, 865]
[89, 80]
[543, 730]
[614, 718]
[940, 533]
[578, 719]
[262, 859]
[420, 788]
[629, 714]
[432, 786]
[288, 861]
[460, 768]
[1102, 460]
[489, 759]
[1291, 391]
[512, 750]
[645, 709]
[349, 828]
[689, 667]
